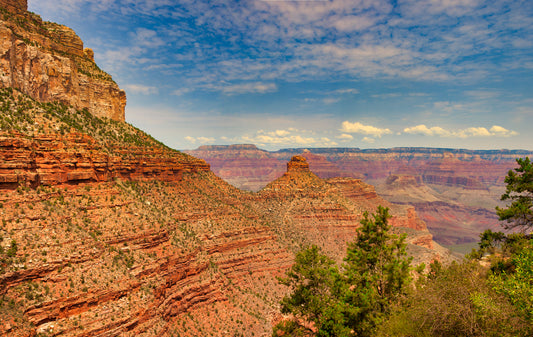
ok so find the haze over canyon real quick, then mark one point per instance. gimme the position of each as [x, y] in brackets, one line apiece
[106, 231]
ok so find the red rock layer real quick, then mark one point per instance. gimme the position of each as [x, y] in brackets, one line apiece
[76, 158]
[326, 169]
[15, 5]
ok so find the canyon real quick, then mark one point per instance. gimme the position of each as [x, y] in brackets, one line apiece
[107, 232]
[454, 191]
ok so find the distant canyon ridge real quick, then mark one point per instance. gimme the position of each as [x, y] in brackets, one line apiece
[455, 191]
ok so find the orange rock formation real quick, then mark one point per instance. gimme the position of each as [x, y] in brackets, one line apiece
[47, 62]
[77, 158]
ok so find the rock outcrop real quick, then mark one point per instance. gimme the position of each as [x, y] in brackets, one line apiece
[47, 61]
[15, 5]
[297, 164]
[308, 209]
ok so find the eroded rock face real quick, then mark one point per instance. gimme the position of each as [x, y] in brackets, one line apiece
[328, 212]
[15, 5]
[47, 62]
[76, 158]
[297, 164]
[461, 187]
[244, 165]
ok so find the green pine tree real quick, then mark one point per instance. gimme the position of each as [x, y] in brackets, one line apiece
[326, 301]
[519, 214]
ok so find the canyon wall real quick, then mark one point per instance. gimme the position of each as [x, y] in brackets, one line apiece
[77, 158]
[454, 191]
[467, 169]
[15, 5]
[47, 61]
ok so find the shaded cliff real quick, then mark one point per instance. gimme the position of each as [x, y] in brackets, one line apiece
[47, 61]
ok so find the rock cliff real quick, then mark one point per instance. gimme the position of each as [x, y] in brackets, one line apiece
[153, 252]
[243, 165]
[47, 61]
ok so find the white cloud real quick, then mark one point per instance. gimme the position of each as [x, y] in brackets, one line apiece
[494, 131]
[502, 132]
[345, 137]
[357, 127]
[424, 130]
[369, 140]
[290, 137]
[473, 132]
[147, 38]
[201, 140]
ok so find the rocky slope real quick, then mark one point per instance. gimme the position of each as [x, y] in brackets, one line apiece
[452, 217]
[47, 61]
[307, 209]
[106, 232]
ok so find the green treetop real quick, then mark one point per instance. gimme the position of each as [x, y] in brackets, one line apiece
[519, 214]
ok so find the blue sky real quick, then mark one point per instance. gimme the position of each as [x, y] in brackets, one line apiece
[341, 73]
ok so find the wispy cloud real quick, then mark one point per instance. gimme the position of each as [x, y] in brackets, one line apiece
[330, 100]
[459, 59]
[141, 89]
[494, 131]
[245, 88]
[412, 39]
[200, 140]
[347, 91]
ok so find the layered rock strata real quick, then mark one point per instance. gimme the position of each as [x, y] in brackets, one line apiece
[76, 158]
[47, 61]
[327, 212]
[193, 256]
[455, 191]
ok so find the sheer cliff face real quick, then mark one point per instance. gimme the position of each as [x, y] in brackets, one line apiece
[47, 62]
[15, 5]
